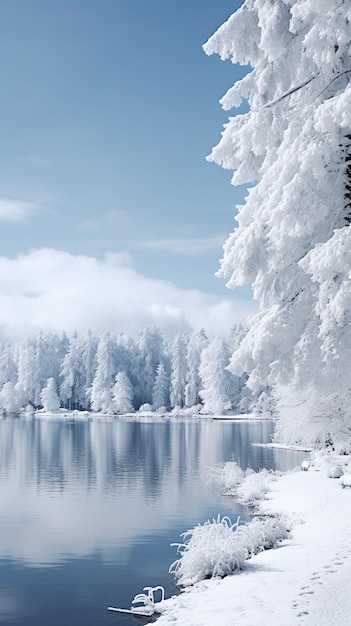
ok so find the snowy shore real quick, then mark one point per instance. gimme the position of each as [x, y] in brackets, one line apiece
[304, 581]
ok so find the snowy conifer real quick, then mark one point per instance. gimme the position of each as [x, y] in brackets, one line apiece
[196, 345]
[217, 382]
[72, 391]
[160, 392]
[178, 347]
[150, 354]
[100, 392]
[25, 386]
[122, 395]
[293, 238]
[49, 396]
[8, 369]
[89, 355]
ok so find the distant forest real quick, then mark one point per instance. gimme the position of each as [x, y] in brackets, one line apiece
[114, 374]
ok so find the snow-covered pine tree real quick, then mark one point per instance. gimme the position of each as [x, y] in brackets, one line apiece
[89, 349]
[218, 384]
[160, 392]
[100, 393]
[25, 386]
[8, 369]
[145, 364]
[195, 347]
[49, 396]
[293, 240]
[122, 395]
[178, 348]
[72, 391]
[41, 366]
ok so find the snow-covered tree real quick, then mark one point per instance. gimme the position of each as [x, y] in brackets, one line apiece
[218, 384]
[10, 401]
[55, 349]
[41, 366]
[8, 368]
[49, 396]
[178, 348]
[122, 395]
[72, 389]
[89, 351]
[236, 336]
[293, 240]
[196, 345]
[25, 386]
[150, 354]
[160, 392]
[100, 392]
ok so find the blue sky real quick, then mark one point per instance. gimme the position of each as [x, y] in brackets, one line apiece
[108, 110]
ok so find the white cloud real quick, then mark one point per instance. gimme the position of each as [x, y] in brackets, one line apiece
[16, 211]
[54, 290]
[184, 245]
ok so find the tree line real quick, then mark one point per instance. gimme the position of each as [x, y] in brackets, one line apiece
[113, 373]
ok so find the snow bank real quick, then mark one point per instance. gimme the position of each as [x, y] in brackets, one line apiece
[304, 581]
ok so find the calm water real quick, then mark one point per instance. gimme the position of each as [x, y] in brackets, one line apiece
[88, 509]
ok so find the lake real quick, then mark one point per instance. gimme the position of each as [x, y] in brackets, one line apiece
[88, 509]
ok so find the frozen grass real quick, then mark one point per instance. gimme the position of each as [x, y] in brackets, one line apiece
[254, 486]
[247, 486]
[218, 548]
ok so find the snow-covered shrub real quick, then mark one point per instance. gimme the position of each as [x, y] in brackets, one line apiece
[333, 464]
[247, 485]
[209, 550]
[218, 548]
[28, 410]
[254, 485]
[177, 411]
[272, 532]
[161, 410]
[345, 480]
[335, 471]
[145, 408]
[226, 477]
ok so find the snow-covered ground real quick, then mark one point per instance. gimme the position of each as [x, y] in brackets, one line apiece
[304, 581]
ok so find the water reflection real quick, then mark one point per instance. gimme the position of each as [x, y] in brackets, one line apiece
[99, 502]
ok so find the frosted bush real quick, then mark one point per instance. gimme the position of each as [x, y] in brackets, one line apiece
[145, 408]
[333, 464]
[226, 476]
[335, 470]
[218, 548]
[247, 486]
[254, 486]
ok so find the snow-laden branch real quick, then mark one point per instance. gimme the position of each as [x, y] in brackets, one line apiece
[334, 79]
[289, 92]
[304, 84]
